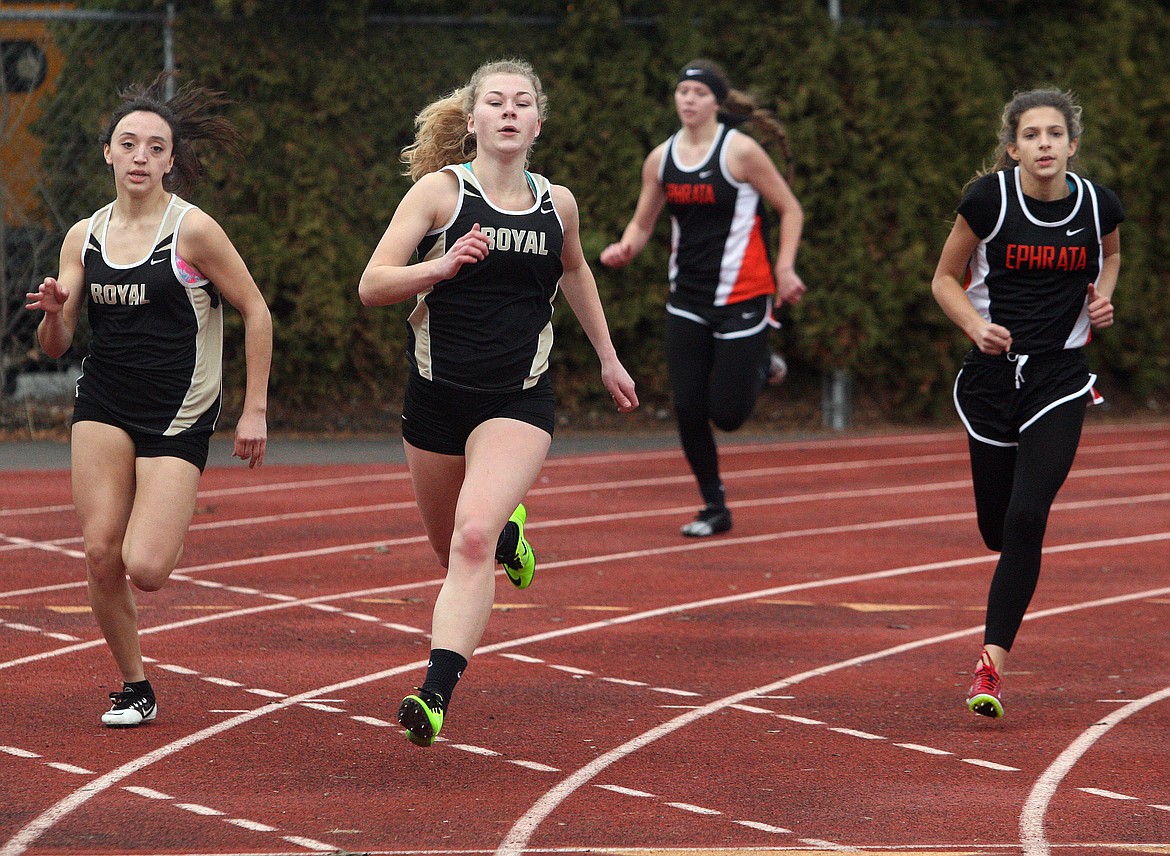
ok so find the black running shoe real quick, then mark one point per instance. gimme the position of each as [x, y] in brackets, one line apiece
[130, 707]
[514, 552]
[710, 521]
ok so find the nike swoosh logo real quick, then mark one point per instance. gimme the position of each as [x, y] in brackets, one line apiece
[707, 173]
[548, 210]
[159, 261]
[1071, 232]
[691, 72]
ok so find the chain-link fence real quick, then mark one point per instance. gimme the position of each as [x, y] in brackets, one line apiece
[35, 40]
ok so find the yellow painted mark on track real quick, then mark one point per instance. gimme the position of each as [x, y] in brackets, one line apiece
[208, 607]
[587, 608]
[68, 610]
[887, 607]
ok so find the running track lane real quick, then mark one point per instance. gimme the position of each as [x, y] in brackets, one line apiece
[670, 551]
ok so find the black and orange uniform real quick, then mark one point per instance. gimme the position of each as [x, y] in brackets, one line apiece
[154, 366]
[479, 342]
[721, 291]
[1024, 410]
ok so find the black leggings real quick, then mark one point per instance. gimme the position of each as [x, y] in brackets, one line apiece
[1014, 491]
[714, 381]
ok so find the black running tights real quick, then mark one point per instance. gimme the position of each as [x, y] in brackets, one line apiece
[1014, 491]
[713, 381]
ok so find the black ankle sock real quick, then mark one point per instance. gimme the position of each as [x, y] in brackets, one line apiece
[443, 671]
[711, 512]
[508, 541]
[142, 687]
[715, 497]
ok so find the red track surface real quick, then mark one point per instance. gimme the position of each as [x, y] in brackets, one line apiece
[795, 685]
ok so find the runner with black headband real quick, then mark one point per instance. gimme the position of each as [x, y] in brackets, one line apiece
[723, 282]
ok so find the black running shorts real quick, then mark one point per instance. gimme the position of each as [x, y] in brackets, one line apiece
[439, 418]
[999, 397]
[191, 445]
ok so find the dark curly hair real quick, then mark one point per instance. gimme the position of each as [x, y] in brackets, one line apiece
[190, 115]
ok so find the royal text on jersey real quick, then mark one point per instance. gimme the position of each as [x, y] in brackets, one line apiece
[516, 240]
[1045, 257]
[119, 294]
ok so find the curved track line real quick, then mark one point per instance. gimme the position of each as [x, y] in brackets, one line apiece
[47, 819]
[577, 460]
[697, 545]
[1032, 835]
[204, 619]
[51, 816]
[517, 840]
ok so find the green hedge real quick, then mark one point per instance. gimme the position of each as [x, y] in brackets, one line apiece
[889, 115]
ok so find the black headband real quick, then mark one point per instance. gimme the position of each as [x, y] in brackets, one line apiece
[710, 79]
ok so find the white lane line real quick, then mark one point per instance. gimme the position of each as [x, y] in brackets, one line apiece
[533, 765]
[203, 810]
[802, 720]
[763, 827]
[69, 768]
[523, 829]
[517, 839]
[628, 792]
[368, 720]
[221, 616]
[222, 682]
[836, 495]
[1032, 833]
[1109, 795]
[19, 753]
[918, 747]
[626, 682]
[475, 750]
[853, 732]
[250, 824]
[990, 765]
[149, 793]
[747, 708]
[309, 844]
[326, 708]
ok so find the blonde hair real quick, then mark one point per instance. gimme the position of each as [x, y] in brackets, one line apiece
[441, 136]
[742, 108]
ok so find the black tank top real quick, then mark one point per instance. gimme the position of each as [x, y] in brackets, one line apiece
[155, 357]
[718, 255]
[489, 327]
[1035, 259]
